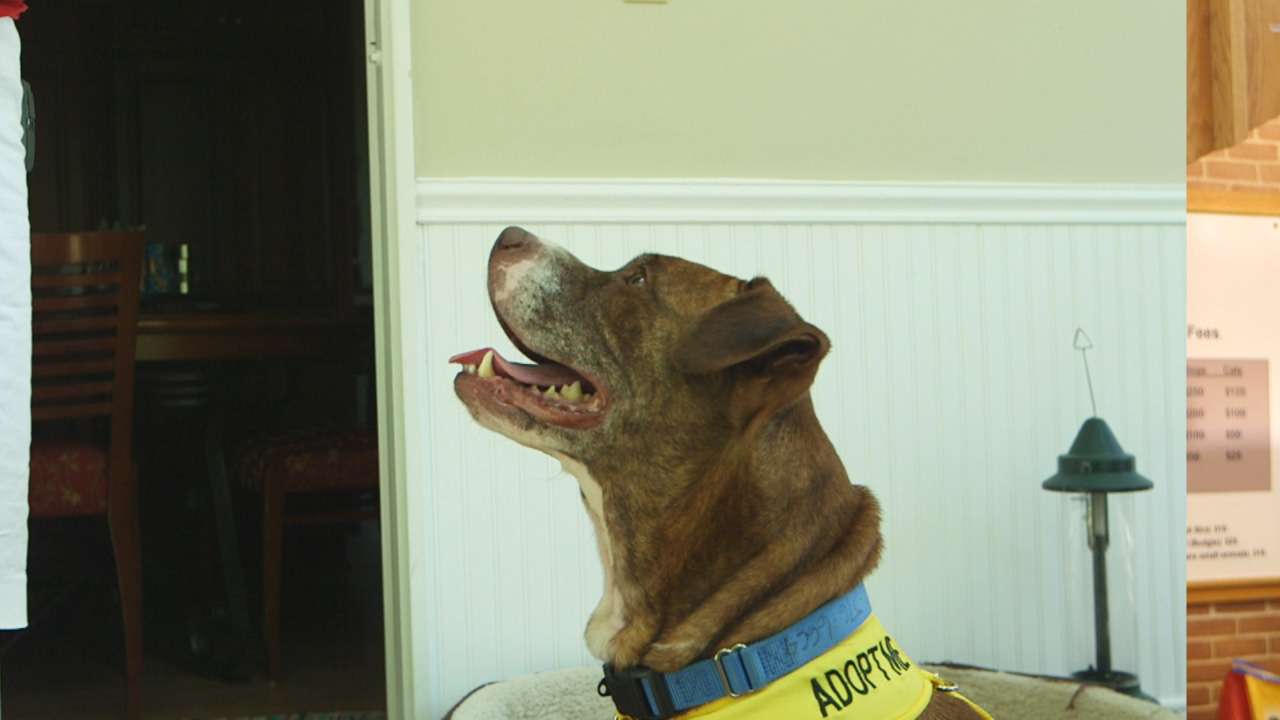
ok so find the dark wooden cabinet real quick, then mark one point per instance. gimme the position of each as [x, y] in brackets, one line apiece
[238, 164]
[228, 125]
[220, 27]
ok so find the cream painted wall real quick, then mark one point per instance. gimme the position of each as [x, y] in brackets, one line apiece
[927, 90]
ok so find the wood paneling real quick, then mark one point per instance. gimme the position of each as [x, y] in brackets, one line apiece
[1232, 202]
[1199, 81]
[1233, 71]
[1262, 60]
[1228, 71]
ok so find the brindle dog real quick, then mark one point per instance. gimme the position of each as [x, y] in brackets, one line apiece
[679, 398]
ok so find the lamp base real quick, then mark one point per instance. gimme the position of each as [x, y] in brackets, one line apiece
[1118, 680]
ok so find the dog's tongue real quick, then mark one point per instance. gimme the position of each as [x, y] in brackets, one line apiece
[543, 374]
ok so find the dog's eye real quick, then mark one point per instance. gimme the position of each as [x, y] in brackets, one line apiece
[637, 278]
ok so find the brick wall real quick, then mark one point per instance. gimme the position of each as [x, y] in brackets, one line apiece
[1218, 632]
[1253, 165]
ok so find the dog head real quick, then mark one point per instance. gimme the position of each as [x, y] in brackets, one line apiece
[658, 343]
[679, 398]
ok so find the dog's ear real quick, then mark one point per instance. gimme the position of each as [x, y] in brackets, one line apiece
[757, 330]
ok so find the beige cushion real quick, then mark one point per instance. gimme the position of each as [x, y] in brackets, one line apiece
[1009, 696]
[570, 694]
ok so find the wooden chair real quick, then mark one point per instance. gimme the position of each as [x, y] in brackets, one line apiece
[84, 321]
[340, 462]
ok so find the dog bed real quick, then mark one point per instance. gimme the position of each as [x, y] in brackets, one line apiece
[570, 694]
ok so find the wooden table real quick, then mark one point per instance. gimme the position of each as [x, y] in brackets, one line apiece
[220, 338]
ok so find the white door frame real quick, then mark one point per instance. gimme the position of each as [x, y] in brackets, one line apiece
[397, 287]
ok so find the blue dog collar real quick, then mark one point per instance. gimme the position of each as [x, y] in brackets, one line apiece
[646, 694]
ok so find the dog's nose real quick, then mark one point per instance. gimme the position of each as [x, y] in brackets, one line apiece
[513, 238]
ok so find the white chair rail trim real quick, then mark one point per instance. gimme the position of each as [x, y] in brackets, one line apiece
[657, 201]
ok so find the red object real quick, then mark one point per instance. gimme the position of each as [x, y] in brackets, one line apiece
[12, 8]
[1249, 692]
[1233, 704]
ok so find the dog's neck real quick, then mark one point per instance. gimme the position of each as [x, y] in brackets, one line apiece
[609, 616]
[705, 551]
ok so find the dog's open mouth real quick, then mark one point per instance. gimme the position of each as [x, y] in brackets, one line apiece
[551, 392]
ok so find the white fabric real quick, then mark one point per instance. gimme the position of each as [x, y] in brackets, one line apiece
[570, 694]
[15, 338]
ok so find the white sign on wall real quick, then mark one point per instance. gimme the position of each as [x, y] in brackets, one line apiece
[1233, 347]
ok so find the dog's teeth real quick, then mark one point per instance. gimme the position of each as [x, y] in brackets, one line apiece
[486, 366]
[470, 369]
[551, 392]
[586, 398]
[572, 392]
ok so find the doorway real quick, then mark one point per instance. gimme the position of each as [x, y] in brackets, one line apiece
[238, 130]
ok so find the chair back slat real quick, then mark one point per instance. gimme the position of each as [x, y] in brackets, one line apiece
[47, 369]
[71, 410]
[72, 390]
[51, 303]
[84, 289]
[54, 325]
[69, 278]
[58, 346]
[85, 247]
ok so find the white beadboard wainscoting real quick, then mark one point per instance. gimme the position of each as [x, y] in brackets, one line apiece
[951, 388]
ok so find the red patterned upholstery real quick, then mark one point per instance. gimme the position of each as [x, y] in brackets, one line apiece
[316, 462]
[67, 478]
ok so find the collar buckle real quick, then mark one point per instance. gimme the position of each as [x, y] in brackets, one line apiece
[718, 659]
[638, 692]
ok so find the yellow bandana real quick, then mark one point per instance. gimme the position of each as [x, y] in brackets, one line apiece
[864, 677]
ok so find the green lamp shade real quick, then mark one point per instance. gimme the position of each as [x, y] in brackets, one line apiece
[1096, 463]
